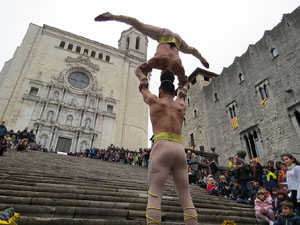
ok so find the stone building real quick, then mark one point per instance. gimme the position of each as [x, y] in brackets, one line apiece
[254, 104]
[75, 92]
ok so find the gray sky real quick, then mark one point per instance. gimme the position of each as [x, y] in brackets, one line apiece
[219, 29]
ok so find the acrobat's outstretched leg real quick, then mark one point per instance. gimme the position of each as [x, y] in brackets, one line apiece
[146, 29]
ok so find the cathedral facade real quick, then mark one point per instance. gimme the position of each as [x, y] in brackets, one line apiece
[74, 92]
[254, 104]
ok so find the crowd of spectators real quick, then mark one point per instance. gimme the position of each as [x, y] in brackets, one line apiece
[267, 187]
[19, 140]
[117, 155]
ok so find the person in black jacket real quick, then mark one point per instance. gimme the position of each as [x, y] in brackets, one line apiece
[256, 171]
[243, 177]
[238, 193]
[3, 130]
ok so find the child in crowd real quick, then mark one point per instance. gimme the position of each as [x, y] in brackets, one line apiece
[282, 175]
[223, 187]
[238, 194]
[280, 197]
[263, 208]
[273, 195]
[269, 179]
[212, 187]
[254, 189]
[287, 217]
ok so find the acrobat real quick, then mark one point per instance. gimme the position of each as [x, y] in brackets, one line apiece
[168, 154]
[167, 52]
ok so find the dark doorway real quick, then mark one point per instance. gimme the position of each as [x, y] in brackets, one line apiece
[63, 144]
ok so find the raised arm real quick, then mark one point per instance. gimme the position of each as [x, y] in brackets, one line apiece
[185, 48]
[149, 98]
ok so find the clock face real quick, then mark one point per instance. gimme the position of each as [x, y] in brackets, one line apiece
[79, 80]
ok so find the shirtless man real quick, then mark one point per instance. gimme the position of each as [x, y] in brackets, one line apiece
[167, 52]
[168, 154]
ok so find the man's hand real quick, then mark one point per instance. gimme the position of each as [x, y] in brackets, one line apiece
[144, 84]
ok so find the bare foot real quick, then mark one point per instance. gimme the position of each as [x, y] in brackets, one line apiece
[104, 17]
[205, 63]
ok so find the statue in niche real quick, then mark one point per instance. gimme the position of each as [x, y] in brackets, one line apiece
[91, 104]
[56, 95]
[50, 116]
[74, 102]
[87, 123]
[43, 140]
[69, 120]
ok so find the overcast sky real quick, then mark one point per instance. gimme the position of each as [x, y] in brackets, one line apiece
[219, 29]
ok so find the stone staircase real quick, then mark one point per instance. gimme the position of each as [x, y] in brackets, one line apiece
[52, 189]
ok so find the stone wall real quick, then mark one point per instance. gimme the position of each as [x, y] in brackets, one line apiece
[268, 70]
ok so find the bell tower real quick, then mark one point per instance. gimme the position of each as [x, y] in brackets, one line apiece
[134, 43]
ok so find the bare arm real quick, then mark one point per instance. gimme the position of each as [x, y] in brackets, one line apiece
[149, 98]
[185, 48]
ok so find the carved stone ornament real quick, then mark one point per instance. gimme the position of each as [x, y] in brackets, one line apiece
[83, 60]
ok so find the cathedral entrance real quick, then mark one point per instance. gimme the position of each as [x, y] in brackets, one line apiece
[63, 144]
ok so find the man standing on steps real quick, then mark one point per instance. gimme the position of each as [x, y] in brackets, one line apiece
[167, 52]
[168, 154]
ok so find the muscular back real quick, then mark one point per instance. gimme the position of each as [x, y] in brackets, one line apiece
[166, 114]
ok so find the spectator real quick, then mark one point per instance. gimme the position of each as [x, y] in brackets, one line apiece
[203, 179]
[188, 157]
[271, 166]
[223, 187]
[230, 164]
[238, 193]
[195, 165]
[31, 137]
[3, 130]
[278, 165]
[269, 179]
[287, 217]
[24, 134]
[282, 176]
[212, 167]
[263, 208]
[212, 187]
[293, 179]
[228, 178]
[3, 146]
[253, 192]
[256, 171]
[243, 177]
[280, 197]
[192, 176]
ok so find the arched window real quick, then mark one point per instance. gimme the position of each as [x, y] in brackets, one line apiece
[50, 115]
[195, 113]
[78, 49]
[241, 76]
[274, 52]
[127, 42]
[137, 43]
[93, 54]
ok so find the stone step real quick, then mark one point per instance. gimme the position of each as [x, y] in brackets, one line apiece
[54, 189]
[107, 195]
[67, 221]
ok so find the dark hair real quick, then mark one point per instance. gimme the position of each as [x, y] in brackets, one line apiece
[288, 204]
[265, 167]
[235, 181]
[282, 192]
[291, 157]
[167, 78]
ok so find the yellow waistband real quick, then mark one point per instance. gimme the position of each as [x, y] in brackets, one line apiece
[168, 39]
[168, 136]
